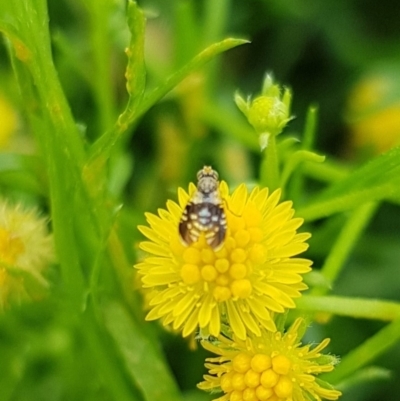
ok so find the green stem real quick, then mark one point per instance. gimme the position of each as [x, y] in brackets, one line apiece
[269, 174]
[345, 243]
[359, 308]
[296, 188]
[310, 128]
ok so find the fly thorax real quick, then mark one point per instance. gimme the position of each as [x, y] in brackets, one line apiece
[207, 184]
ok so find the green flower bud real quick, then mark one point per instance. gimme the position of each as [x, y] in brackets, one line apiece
[268, 113]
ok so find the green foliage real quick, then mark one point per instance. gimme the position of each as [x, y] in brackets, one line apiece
[97, 141]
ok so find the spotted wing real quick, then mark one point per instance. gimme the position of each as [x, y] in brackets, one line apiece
[208, 218]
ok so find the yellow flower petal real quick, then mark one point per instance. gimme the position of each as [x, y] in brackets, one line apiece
[154, 248]
[205, 311]
[215, 322]
[235, 321]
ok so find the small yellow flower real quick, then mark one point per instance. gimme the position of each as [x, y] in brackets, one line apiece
[273, 367]
[254, 275]
[26, 249]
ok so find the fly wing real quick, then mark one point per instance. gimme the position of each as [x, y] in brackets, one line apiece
[186, 225]
[205, 217]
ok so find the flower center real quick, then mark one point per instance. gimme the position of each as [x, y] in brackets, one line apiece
[258, 378]
[226, 272]
[10, 247]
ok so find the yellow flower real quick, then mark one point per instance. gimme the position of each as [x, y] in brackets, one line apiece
[273, 367]
[243, 283]
[26, 249]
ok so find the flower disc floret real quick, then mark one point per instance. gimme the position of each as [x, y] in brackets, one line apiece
[253, 275]
[272, 367]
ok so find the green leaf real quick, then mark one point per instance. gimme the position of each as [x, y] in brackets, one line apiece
[366, 375]
[198, 61]
[345, 242]
[366, 352]
[99, 13]
[144, 363]
[376, 180]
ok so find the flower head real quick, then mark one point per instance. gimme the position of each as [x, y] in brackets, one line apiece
[252, 276]
[273, 367]
[26, 249]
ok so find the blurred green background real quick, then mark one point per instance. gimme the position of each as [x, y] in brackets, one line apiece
[341, 55]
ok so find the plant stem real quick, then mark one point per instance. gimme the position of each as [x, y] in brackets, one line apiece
[360, 308]
[269, 174]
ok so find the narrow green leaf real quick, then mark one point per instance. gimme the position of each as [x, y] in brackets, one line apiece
[59, 140]
[62, 205]
[366, 352]
[198, 61]
[295, 189]
[376, 180]
[366, 375]
[144, 363]
[135, 70]
[345, 243]
[103, 146]
[106, 361]
[99, 12]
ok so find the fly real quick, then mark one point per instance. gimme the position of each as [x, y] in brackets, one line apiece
[204, 213]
